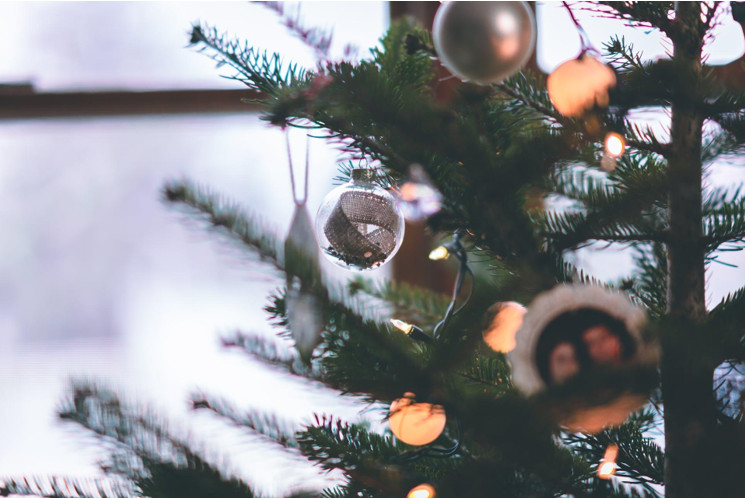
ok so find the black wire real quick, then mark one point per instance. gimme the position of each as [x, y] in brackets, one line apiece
[456, 249]
[433, 451]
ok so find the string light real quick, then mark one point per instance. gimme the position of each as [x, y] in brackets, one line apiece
[416, 424]
[608, 466]
[404, 327]
[439, 253]
[411, 330]
[614, 144]
[422, 491]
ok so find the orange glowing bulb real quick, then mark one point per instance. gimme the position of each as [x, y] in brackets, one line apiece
[614, 144]
[415, 423]
[608, 467]
[422, 491]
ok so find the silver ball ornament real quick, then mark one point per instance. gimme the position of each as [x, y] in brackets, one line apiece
[484, 42]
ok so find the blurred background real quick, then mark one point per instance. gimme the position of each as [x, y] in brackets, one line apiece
[100, 104]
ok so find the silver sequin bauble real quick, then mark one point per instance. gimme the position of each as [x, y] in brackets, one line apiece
[359, 226]
[484, 42]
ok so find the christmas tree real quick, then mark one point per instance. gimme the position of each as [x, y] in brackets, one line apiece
[480, 423]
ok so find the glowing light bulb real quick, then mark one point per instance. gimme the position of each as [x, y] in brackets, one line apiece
[422, 491]
[401, 325]
[614, 144]
[439, 253]
[608, 467]
[415, 423]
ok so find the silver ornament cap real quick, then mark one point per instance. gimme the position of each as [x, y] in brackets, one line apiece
[484, 42]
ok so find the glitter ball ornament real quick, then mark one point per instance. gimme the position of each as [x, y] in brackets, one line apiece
[484, 42]
[501, 323]
[359, 226]
[580, 84]
[415, 423]
[418, 198]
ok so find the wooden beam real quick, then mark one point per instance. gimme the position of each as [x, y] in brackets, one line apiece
[29, 105]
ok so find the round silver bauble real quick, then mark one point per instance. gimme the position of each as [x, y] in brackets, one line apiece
[484, 42]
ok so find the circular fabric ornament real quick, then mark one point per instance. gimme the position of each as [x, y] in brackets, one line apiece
[579, 84]
[501, 323]
[359, 226]
[573, 330]
[415, 423]
[484, 42]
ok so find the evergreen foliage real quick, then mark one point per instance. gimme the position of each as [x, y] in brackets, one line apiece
[489, 150]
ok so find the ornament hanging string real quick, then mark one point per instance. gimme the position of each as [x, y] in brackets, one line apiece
[584, 38]
[298, 202]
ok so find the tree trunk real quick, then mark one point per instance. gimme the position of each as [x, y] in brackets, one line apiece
[687, 377]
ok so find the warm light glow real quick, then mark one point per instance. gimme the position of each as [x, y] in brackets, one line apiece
[439, 253]
[415, 423]
[506, 319]
[401, 325]
[614, 144]
[606, 469]
[422, 491]
[608, 466]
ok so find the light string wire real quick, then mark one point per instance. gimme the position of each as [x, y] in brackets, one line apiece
[456, 249]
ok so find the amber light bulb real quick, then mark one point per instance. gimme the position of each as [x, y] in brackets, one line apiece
[415, 423]
[439, 253]
[422, 491]
[608, 466]
[614, 144]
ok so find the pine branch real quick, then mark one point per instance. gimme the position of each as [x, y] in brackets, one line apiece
[270, 427]
[725, 224]
[725, 323]
[646, 14]
[639, 457]
[317, 39]
[488, 371]
[227, 216]
[142, 450]
[58, 487]
[522, 88]
[266, 350]
[259, 71]
[362, 357]
[334, 444]
[411, 304]
[649, 282]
